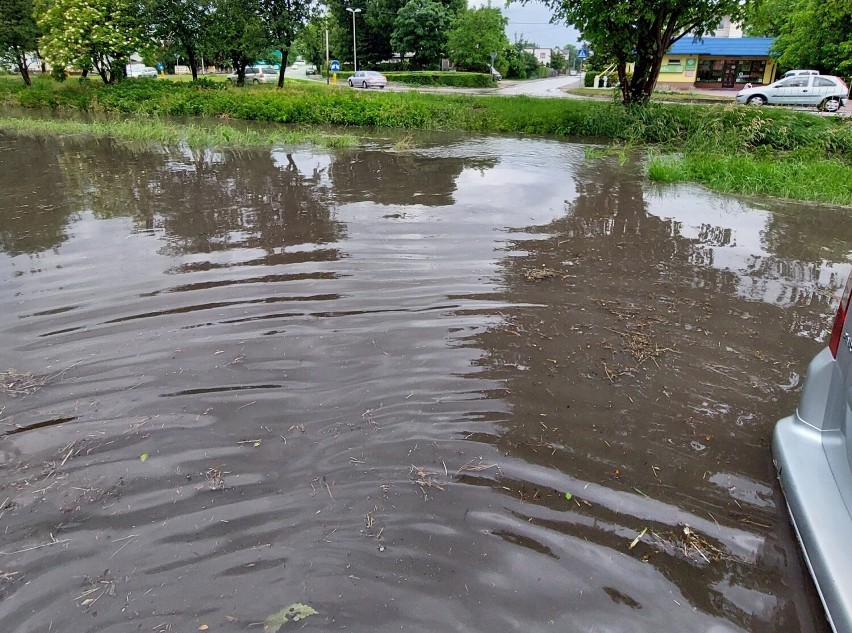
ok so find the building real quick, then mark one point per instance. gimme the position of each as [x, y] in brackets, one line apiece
[541, 54]
[725, 63]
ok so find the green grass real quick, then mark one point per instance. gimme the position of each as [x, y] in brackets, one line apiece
[750, 150]
[799, 178]
[153, 130]
[659, 95]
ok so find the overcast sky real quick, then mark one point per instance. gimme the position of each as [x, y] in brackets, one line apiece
[532, 21]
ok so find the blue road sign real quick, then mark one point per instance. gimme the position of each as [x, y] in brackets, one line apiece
[582, 53]
[335, 66]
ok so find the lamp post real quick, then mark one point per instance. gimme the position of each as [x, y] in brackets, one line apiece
[354, 49]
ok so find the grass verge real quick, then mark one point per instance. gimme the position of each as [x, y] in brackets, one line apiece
[825, 181]
[740, 143]
[153, 130]
[659, 95]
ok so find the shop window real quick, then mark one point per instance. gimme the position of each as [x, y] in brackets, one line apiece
[710, 70]
[750, 71]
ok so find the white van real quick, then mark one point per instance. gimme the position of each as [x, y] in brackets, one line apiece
[793, 73]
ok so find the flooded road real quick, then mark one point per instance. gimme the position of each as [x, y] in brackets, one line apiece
[480, 384]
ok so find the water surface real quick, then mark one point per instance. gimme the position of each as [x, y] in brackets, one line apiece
[365, 380]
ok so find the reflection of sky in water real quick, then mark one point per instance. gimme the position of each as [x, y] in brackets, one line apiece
[731, 236]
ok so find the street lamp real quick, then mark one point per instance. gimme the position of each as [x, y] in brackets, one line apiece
[354, 49]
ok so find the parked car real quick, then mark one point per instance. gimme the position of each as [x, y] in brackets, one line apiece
[823, 91]
[495, 74]
[257, 75]
[793, 73]
[140, 70]
[311, 70]
[812, 450]
[368, 79]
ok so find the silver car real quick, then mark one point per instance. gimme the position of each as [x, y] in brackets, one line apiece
[368, 79]
[812, 450]
[823, 91]
[258, 75]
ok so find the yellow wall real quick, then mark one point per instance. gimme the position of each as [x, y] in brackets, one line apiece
[677, 75]
[684, 75]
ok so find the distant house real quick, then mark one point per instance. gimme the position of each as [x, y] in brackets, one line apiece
[725, 63]
[541, 54]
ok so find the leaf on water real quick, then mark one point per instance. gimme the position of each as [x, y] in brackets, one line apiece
[636, 540]
[143, 457]
[293, 612]
[257, 443]
[568, 496]
[203, 627]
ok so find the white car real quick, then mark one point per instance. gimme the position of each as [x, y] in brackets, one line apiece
[140, 70]
[257, 75]
[793, 73]
[822, 91]
[812, 450]
[368, 79]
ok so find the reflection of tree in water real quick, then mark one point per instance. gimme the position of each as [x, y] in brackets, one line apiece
[399, 178]
[612, 280]
[206, 201]
[34, 205]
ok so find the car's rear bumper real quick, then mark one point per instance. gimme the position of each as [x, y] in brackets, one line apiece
[818, 511]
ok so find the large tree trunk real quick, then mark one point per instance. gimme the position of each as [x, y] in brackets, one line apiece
[284, 53]
[21, 62]
[240, 66]
[649, 59]
[193, 62]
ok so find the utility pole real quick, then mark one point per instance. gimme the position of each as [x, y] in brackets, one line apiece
[354, 49]
[327, 69]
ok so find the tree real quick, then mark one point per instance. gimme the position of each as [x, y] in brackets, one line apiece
[421, 28]
[763, 18]
[284, 19]
[817, 34]
[558, 61]
[18, 34]
[641, 31]
[311, 40]
[185, 24]
[570, 55]
[521, 64]
[99, 34]
[477, 33]
[239, 33]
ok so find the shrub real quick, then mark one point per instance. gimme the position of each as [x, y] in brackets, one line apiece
[436, 78]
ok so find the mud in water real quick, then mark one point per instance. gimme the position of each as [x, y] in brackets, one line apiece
[477, 384]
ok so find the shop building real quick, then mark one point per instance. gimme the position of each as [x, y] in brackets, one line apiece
[724, 63]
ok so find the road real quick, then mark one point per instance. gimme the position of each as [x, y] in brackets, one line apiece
[550, 87]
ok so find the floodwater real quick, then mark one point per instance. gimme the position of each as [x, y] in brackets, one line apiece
[432, 388]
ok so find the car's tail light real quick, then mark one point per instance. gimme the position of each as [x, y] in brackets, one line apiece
[840, 319]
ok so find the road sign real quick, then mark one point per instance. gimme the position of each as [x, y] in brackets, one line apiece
[335, 66]
[582, 53]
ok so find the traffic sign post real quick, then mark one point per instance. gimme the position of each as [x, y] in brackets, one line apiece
[335, 68]
[582, 55]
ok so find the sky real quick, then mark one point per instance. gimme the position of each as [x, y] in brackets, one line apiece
[532, 21]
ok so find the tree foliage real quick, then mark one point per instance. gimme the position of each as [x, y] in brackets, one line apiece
[421, 28]
[817, 34]
[239, 33]
[521, 64]
[18, 34]
[477, 33]
[184, 24]
[98, 34]
[641, 31]
[284, 19]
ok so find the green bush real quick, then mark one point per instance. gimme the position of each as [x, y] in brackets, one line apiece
[435, 78]
[691, 128]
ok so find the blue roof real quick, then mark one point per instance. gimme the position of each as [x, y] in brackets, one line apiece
[733, 46]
